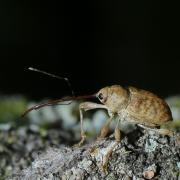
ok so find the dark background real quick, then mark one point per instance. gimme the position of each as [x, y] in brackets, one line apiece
[94, 44]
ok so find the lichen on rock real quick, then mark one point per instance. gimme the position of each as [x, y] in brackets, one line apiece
[130, 159]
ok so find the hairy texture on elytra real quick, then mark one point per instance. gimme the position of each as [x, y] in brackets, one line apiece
[147, 107]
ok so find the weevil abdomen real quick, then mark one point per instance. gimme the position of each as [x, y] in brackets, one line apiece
[148, 108]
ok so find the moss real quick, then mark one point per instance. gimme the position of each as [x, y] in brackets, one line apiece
[11, 108]
[174, 125]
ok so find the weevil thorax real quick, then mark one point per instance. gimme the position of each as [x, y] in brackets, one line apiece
[114, 97]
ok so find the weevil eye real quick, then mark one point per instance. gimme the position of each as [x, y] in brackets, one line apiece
[100, 96]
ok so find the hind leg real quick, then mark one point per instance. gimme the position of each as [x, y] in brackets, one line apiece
[160, 131]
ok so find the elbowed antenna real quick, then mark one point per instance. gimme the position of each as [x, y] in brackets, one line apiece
[58, 101]
[54, 76]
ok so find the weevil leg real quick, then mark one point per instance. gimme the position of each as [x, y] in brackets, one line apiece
[83, 135]
[105, 129]
[108, 155]
[117, 135]
[165, 132]
[160, 131]
[87, 106]
[117, 132]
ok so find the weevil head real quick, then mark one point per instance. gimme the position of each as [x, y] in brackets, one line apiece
[114, 97]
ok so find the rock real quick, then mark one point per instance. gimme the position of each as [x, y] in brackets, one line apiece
[130, 159]
[149, 173]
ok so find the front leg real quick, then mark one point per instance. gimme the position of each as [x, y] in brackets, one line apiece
[117, 135]
[105, 129]
[87, 106]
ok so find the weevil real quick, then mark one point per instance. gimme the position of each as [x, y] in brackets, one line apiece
[130, 104]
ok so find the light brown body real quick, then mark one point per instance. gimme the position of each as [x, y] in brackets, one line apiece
[129, 104]
[148, 108]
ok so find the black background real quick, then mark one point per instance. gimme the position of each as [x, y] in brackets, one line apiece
[93, 43]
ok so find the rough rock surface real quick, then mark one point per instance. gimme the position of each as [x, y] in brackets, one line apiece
[139, 156]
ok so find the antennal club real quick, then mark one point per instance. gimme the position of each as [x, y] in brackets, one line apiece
[54, 76]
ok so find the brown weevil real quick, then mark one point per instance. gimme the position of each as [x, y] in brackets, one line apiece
[130, 104]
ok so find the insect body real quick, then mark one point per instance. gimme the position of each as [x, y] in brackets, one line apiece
[129, 104]
[135, 105]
